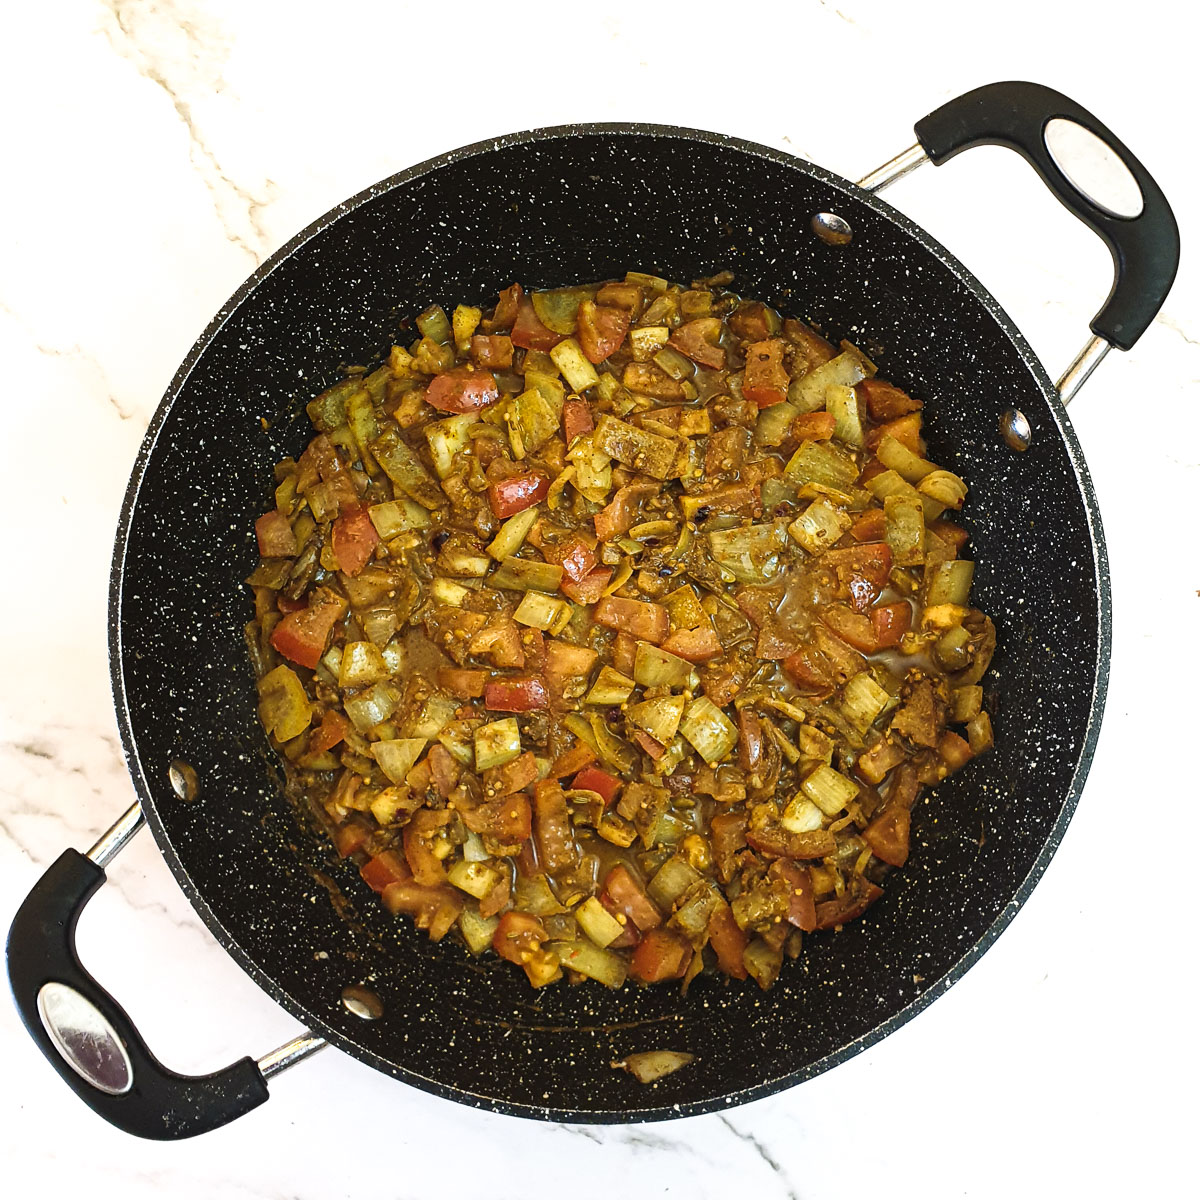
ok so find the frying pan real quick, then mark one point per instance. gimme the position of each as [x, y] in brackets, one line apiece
[547, 208]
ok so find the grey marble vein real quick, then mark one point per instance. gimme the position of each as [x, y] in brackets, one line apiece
[761, 1150]
[135, 32]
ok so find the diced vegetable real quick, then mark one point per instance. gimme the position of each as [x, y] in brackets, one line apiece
[635, 448]
[512, 534]
[823, 463]
[598, 923]
[398, 756]
[527, 575]
[709, 730]
[497, 743]
[829, 790]
[517, 493]
[654, 667]
[645, 621]
[283, 705]
[448, 438]
[820, 526]
[591, 961]
[752, 554]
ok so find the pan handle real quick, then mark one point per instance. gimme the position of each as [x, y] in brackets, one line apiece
[1145, 246]
[87, 1035]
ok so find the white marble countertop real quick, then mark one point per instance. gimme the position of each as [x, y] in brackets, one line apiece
[159, 149]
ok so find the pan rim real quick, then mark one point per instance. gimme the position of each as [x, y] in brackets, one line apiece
[649, 1112]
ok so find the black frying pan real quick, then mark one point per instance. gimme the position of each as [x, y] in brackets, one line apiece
[548, 208]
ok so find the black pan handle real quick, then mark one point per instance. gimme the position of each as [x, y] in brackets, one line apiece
[1145, 248]
[67, 1012]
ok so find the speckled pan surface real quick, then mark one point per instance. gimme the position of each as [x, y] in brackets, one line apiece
[548, 208]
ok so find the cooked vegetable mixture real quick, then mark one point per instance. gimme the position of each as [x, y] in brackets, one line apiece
[617, 629]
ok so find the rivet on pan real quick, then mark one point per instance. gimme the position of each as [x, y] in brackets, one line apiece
[1014, 428]
[362, 1002]
[184, 781]
[831, 229]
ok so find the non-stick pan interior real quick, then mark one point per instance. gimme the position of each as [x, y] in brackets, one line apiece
[549, 209]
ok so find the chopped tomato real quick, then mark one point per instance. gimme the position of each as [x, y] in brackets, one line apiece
[855, 628]
[622, 295]
[565, 660]
[350, 836]
[862, 572]
[888, 834]
[434, 909]
[515, 776]
[661, 954]
[444, 770]
[869, 527]
[766, 380]
[303, 636]
[518, 935]
[499, 640]
[955, 750]
[622, 511]
[462, 390]
[275, 536]
[774, 839]
[517, 493]
[809, 669]
[638, 618]
[698, 341]
[624, 652]
[600, 329]
[948, 532]
[590, 588]
[384, 869]
[652, 746]
[884, 401]
[552, 828]
[906, 430]
[333, 729]
[422, 826]
[850, 905]
[593, 779]
[573, 554]
[529, 332]
[506, 310]
[492, 350]
[574, 759]
[813, 427]
[354, 539]
[622, 893]
[891, 622]
[699, 645]
[577, 419]
[728, 940]
[463, 682]
[802, 910]
[515, 695]
[286, 604]
[507, 820]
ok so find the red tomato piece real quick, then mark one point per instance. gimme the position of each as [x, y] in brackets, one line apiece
[885, 401]
[888, 834]
[426, 867]
[494, 350]
[638, 618]
[802, 907]
[661, 954]
[350, 836]
[518, 936]
[698, 341]
[813, 427]
[444, 770]
[508, 820]
[906, 430]
[766, 380]
[728, 941]
[552, 830]
[385, 869]
[564, 660]
[727, 831]
[590, 588]
[434, 909]
[505, 314]
[573, 554]
[601, 330]
[529, 332]
[862, 572]
[463, 682]
[623, 893]
[462, 390]
[577, 419]
[303, 636]
[869, 527]
[286, 604]
[275, 536]
[515, 695]
[354, 539]
[652, 746]
[891, 622]
[593, 779]
[696, 645]
[517, 493]
[572, 760]
[512, 777]
[809, 669]
[857, 629]
[333, 729]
